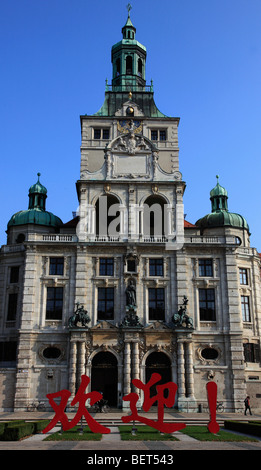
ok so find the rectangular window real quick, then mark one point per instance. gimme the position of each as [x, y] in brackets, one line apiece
[106, 267]
[207, 305]
[251, 352]
[14, 274]
[156, 304]
[131, 265]
[8, 351]
[101, 134]
[97, 133]
[12, 307]
[205, 267]
[162, 135]
[105, 303]
[243, 276]
[56, 266]
[158, 134]
[156, 267]
[54, 304]
[245, 308]
[106, 134]
[154, 135]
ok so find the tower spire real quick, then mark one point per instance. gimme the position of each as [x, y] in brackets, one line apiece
[128, 60]
[129, 7]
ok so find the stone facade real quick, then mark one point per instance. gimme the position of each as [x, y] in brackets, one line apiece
[130, 232]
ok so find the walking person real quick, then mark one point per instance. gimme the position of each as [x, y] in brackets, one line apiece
[247, 405]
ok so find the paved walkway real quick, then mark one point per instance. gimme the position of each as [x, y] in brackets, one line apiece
[112, 442]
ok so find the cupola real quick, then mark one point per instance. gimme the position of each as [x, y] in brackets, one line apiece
[36, 212]
[128, 60]
[220, 215]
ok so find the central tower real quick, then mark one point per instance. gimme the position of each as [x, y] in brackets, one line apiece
[130, 155]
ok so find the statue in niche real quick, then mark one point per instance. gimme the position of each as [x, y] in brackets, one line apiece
[80, 316]
[181, 318]
[131, 295]
[131, 318]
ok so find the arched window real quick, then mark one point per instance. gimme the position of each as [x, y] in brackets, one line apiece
[104, 376]
[129, 68]
[153, 216]
[158, 362]
[118, 67]
[107, 216]
[140, 67]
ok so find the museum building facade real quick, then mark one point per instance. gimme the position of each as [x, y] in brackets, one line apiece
[128, 287]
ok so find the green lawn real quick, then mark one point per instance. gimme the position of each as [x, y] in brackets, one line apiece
[201, 433]
[144, 433]
[74, 434]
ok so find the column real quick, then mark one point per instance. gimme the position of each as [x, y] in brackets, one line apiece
[189, 370]
[135, 360]
[72, 369]
[81, 359]
[127, 369]
[181, 370]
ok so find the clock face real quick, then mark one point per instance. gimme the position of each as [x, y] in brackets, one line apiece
[126, 125]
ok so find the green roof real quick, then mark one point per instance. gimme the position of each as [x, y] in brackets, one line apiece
[38, 187]
[36, 217]
[222, 218]
[220, 215]
[36, 213]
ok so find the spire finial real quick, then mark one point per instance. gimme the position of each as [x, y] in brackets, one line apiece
[129, 7]
[217, 176]
[38, 174]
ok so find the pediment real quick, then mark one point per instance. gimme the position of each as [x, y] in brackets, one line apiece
[123, 111]
[158, 326]
[104, 325]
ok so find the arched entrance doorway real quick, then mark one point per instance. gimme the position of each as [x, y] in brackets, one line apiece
[158, 362]
[104, 376]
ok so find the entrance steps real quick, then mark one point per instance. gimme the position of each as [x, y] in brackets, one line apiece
[113, 419]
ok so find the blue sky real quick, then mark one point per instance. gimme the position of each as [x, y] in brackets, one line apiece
[204, 58]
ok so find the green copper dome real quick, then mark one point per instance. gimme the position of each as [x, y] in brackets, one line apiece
[220, 215]
[38, 187]
[36, 213]
[218, 190]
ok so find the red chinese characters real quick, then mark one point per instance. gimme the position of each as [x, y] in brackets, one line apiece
[160, 398]
[80, 398]
[149, 401]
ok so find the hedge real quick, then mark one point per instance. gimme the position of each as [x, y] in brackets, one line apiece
[40, 425]
[252, 427]
[17, 431]
[5, 424]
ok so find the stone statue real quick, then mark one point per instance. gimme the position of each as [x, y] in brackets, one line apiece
[182, 317]
[131, 295]
[80, 316]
